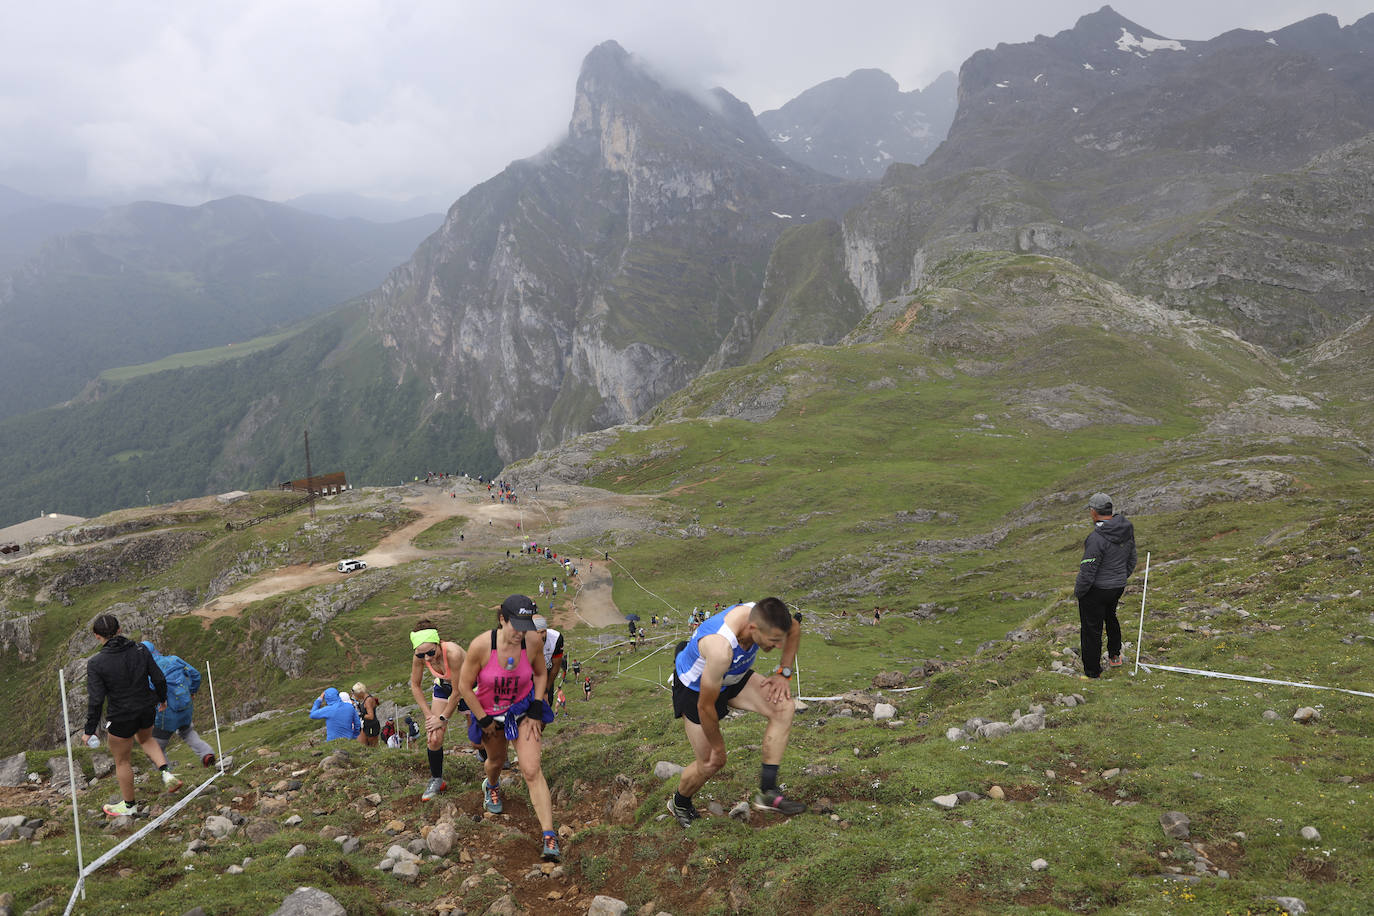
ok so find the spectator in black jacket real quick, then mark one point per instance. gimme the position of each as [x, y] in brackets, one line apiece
[124, 673]
[1108, 561]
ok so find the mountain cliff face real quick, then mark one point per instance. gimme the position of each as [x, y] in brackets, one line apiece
[858, 125]
[576, 289]
[1118, 148]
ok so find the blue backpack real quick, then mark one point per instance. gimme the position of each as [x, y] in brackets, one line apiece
[178, 684]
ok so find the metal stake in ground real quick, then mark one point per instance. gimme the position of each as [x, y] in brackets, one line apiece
[71, 778]
[1140, 631]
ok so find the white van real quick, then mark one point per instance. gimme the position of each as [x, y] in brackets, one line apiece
[351, 565]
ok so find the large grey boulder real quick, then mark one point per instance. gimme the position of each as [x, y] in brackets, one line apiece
[57, 767]
[310, 901]
[13, 770]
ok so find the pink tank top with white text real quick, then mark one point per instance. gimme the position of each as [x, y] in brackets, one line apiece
[500, 686]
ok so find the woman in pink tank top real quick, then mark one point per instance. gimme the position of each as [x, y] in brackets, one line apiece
[503, 681]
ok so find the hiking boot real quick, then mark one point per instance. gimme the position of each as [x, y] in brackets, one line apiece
[491, 797]
[208, 760]
[1114, 661]
[123, 809]
[685, 814]
[436, 785]
[773, 800]
[550, 850]
[170, 781]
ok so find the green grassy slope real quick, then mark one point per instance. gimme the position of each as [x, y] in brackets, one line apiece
[237, 424]
[938, 471]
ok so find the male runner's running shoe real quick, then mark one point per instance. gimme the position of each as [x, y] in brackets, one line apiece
[120, 810]
[491, 797]
[170, 781]
[773, 800]
[550, 850]
[1114, 661]
[436, 785]
[685, 814]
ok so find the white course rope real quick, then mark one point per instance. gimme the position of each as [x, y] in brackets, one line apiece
[1254, 680]
[134, 837]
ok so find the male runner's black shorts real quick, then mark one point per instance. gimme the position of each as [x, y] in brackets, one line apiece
[685, 699]
[126, 728]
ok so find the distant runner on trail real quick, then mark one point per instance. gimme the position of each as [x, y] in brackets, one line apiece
[713, 672]
[554, 662]
[425, 642]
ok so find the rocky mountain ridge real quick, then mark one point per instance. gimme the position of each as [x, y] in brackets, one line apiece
[577, 288]
[1123, 151]
[855, 126]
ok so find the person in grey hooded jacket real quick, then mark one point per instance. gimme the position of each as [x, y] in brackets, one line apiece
[1109, 558]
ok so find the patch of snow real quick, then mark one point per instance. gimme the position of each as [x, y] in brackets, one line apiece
[1003, 85]
[739, 140]
[1075, 109]
[780, 215]
[882, 154]
[1272, 42]
[1038, 77]
[781, 138]
[1087, 66]
[1143, 46]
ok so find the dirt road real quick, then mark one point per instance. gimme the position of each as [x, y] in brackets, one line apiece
[493, 528]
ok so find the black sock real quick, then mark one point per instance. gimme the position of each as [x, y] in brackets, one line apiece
[436, 763]
[768, 776]
[481, 753]
[164, 767]
[681, 801]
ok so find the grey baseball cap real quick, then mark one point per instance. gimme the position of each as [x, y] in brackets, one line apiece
[1100, 502]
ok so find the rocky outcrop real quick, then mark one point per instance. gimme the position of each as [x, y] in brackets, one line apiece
[575, 290]
[145, 555]
[304, 618]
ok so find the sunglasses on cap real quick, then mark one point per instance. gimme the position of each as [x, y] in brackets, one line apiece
[430, 654]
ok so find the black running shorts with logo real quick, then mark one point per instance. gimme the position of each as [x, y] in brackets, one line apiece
[685, 699]
[372, 728]
[127, 728]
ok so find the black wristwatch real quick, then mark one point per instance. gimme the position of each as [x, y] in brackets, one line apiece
[443, 718]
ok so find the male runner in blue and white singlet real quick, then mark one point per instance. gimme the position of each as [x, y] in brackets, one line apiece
[714, 672]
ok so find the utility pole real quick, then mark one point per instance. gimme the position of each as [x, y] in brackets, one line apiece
[309, 477]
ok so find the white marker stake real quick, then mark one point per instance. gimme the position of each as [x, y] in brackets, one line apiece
[1140, 632]
[71, 778]
[214, 711]
[796, 665]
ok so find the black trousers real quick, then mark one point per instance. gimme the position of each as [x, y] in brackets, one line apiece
[1096, 609]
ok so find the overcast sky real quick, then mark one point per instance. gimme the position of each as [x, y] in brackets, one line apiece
[191, 100]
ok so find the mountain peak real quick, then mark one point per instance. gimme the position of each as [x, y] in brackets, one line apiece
[620, 98]
[1107, 23]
